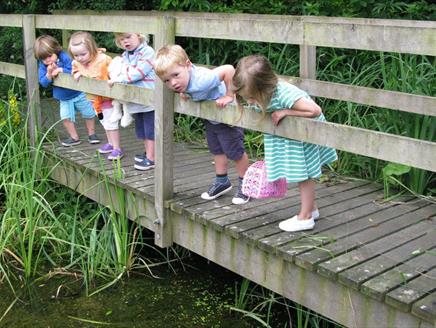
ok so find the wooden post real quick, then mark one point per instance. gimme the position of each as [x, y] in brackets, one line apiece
[65, 39]
[31, 73]
[164, 117]
[308, 62]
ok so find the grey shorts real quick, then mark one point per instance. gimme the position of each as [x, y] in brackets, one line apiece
[225, 139]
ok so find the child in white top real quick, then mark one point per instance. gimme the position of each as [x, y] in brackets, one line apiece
[137, 69]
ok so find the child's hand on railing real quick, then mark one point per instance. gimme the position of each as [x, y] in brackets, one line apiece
[223, 101]
[110, 83]
[278, 115]
[77, 76]
[183, 96]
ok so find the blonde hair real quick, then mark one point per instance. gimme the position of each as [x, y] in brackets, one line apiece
[87, 40]
[118, 35]
[255, 77]
[169, 55]
[45, 46]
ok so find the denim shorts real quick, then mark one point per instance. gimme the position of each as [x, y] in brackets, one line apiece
[225, 139]
[144, 125]
[68, 108]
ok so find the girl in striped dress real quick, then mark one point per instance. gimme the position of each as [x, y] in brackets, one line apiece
[256, 83]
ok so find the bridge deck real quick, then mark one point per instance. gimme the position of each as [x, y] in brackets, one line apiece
[366, 263]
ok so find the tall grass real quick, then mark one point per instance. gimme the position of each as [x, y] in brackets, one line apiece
[395, 72]
[46, 230]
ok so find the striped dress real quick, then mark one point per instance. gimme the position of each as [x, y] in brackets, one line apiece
[292, 159]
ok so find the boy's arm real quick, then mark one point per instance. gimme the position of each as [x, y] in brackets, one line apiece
[225, 73]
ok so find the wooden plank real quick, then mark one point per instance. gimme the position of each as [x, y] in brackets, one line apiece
[12, 70]
[339, 226]
[31, 73]
[356, 197]
[11, 20]
[348, 34]
[426, 308]
[356, 275]
[229, 221]
[103, 23]
[403, 297]
[416, 37]
[402, 101]
[366, 251]
[118, 91]
[378, 286]
[408, 151]
[310, 260]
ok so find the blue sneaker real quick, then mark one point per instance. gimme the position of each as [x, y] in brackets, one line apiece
[217, 189]
[240, 198]
[70, 142]
[140, 157]
[93, 139]
[145, 165]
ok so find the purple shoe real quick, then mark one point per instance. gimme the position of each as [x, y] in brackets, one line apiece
[115, 154]
[106, 148]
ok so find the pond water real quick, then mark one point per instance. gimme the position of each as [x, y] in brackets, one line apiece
[198, 296]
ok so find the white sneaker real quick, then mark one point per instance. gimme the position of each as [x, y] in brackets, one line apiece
[315, 214]
[294, 224]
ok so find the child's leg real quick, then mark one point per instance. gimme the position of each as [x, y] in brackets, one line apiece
[221, 164]
[113, 137]
[307, 194]
[71, 129]
[90, 126]
[149, 149]
[242, 165]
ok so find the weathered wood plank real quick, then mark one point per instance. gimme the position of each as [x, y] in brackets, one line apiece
[229, 220]
[118, 91]
[402, 101]
[344, 201]
[338, 226]
[403, 297]
[103, 23]
[379, 285]
[408, 151]
[356, 275]
[357, 33]
[12, 69]
[11, 20]
[369, 250]
[348, 34]
[426, 308]
[309, 260]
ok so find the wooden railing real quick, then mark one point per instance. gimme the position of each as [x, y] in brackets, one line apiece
[413, 37]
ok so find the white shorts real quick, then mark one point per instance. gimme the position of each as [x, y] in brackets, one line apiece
[107, 124]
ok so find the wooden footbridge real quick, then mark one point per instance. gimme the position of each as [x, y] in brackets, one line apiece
[367, 263]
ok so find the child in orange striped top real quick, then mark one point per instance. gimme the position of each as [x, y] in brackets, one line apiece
[92, 62]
